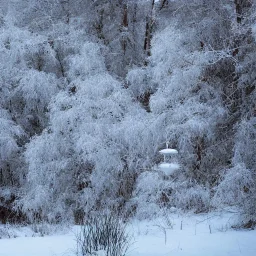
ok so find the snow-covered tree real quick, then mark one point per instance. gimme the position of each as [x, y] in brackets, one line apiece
[10, 150]
[80, 161]
[92, 90]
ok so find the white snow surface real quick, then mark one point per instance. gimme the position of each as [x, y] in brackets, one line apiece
[195, 235]
[168, 151]
[168, 168]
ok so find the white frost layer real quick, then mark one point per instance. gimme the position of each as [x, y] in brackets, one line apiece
[168, 151]
[168, 168]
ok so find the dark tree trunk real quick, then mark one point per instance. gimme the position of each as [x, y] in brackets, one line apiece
[149, 30]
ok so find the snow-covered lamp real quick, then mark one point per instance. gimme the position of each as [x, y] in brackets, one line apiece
[166, 167]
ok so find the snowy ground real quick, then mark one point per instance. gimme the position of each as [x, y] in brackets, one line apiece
[196, 235]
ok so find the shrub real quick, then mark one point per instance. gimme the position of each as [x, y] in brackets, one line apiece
[195, 198]
[7, 232]
[103, 233]
[238, 189]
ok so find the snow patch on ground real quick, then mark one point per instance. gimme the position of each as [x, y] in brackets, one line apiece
[177, 235]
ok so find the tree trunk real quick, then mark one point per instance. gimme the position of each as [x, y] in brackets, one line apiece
[149, 30]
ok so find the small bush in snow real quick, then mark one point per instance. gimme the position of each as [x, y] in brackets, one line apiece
[44, 229]
[7, 232]
[154, 195]
[103, 235]
[238, 188]
[195, 198]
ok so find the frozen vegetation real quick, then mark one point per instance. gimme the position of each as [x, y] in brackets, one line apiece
[92, 90]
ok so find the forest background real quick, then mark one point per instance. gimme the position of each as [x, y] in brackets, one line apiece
[91, 90]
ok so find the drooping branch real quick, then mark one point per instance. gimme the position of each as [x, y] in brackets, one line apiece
[163, 4]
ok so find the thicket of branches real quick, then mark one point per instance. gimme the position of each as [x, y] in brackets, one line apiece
[90, 91]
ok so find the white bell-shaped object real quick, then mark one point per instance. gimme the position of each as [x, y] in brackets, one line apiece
[166, 167]
[168, 151]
